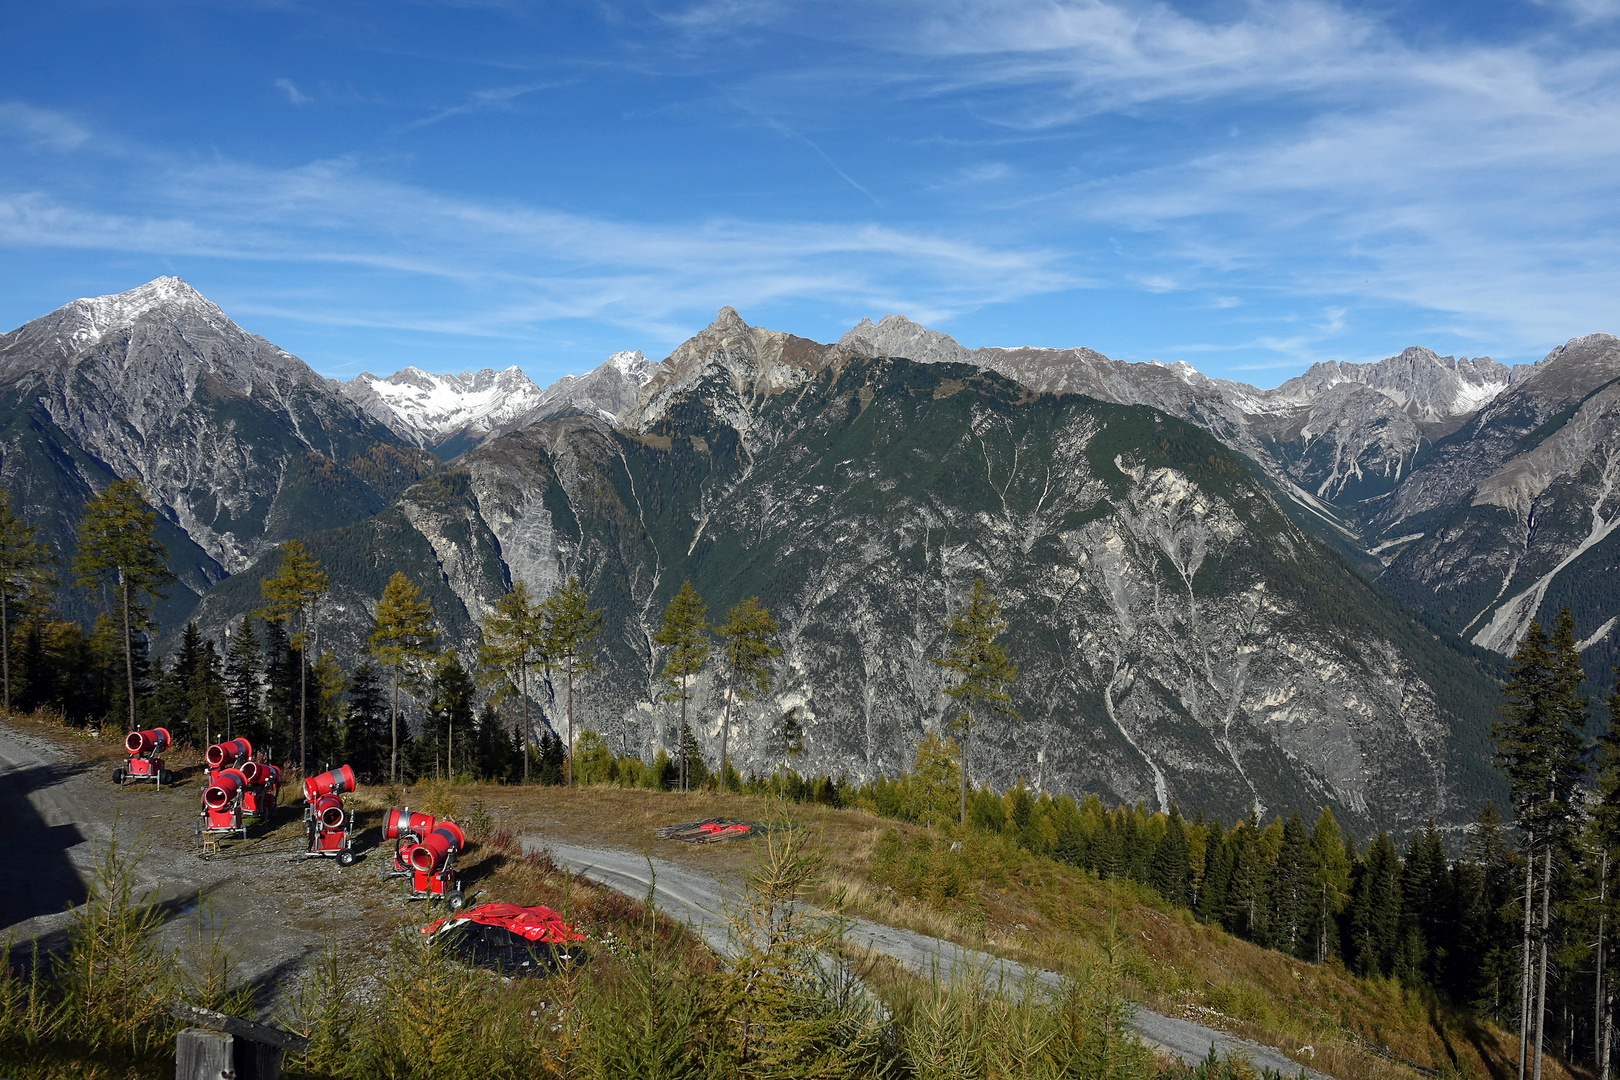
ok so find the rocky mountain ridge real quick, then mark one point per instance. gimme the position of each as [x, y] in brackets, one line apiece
[1179, 637]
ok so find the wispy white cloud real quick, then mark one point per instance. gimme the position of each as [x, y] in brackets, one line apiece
[531, 264]
[294, 95]
[44, 128]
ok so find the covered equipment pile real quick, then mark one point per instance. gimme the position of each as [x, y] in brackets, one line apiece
[509, 939]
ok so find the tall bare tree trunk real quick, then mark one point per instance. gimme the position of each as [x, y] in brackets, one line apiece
[393, 734]
[303, 690]
[1597, 993]
[524, 676]
[568, 762]
[129, 654]
[681, 735]
[1524, 964]
[1541, 989]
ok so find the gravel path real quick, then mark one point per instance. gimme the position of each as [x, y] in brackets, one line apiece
[698, 899]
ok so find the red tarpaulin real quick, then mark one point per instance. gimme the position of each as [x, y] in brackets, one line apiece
[538, 923]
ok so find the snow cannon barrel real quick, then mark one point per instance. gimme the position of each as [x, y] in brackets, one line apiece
[229, 755]
[228, 783]
[146, 742]
[335, 782]
[329, 811]
[436, 847]
[404, 822]
[266, 776]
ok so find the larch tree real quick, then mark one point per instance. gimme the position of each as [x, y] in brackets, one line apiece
[24, 568]
[119, 556]
[747, 649]
[402, 638]
[514, 641]
[981, 666]
[299, 582]
[686, 635]
[1538, 746]
[568, 625]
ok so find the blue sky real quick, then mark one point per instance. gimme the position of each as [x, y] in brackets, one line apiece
[1247, 186]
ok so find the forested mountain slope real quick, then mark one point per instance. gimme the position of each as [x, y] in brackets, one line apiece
[1179, 637]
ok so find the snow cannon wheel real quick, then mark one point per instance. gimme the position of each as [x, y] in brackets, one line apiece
[456, 901]
[165, 777]
[118, 777]
[345, 857]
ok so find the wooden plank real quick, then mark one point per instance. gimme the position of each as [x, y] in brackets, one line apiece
[201, 1054]
[245, 1029]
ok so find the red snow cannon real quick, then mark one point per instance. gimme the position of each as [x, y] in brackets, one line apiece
[264, 785]
[229, 755]
[328, 827]
[336, 782]
[433, 864]
[143, 748]
[406, 829]
[222, 813]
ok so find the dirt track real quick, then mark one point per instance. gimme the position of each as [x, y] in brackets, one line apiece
[698, 899]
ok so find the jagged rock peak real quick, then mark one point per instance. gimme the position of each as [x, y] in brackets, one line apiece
[896, 335]
[118, 310]
[728, 319]
[632, 364]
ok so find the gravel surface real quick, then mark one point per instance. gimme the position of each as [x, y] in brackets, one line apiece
[698, 899]
[57, 811]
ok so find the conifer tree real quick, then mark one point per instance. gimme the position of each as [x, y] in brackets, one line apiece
[24, 569]
[365, 717]
[514, 641]
[1290, 891]
[1605, 843]
[450, 710]
[981, 666]
[747, 648]
[1375, 910]
[298, 583]
[1538, 747]
[1170, 867]
[119, 556]
[242, 681]
[686, 635]
[401, 640]
[569, 626]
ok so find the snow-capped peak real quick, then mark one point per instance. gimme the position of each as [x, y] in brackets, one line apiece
[97, 316]
[633, 365]
[430, 409]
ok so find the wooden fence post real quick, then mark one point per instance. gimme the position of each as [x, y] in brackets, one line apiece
[229, 1048]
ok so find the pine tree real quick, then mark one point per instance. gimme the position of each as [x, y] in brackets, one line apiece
[514, 641]
[1290, 899]
[24, 569]
[401, 640]
[1170, 868]
[365, 720]
[569, 626]
[1375, 910]
[243, 685]
[686, 635]
[1429, 902]
[120, 556]
[982, 668]
[1538, 747]
[746, 647]
[299, 582]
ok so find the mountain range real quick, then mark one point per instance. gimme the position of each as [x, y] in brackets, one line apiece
[1221, 595]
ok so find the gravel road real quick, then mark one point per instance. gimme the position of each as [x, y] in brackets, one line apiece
[698, 899]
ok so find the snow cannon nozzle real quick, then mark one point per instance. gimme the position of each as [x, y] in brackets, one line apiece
[335, 782]
[229, 755]
[227, 785]
[437, 846]
[153, 741]
[403, 823]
